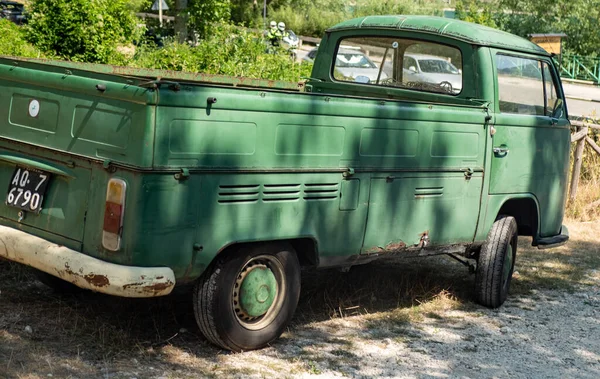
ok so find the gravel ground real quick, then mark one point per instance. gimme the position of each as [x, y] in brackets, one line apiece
[548, 328]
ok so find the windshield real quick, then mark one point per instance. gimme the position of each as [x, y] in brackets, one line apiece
[437, 66]
[355, 60]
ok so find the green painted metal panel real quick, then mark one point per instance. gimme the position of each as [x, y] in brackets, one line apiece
[470, 32]
[349, 195]
[103, 125]
[309, 140]
[375, 142]
[401, 211]
[46, 121]
[65, 203]
[74, 116]
[198, 138]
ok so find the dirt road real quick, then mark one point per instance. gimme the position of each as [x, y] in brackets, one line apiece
[394, 319]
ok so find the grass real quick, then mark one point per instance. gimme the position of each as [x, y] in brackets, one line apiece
[91, 335]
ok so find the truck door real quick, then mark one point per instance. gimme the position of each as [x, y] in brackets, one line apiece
[425, 155]
[531, 143]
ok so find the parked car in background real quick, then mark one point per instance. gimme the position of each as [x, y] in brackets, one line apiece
[353, 64]
[13, 11]
[421, 68]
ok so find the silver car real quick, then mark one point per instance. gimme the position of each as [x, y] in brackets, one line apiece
[352, 64]
[431, 69]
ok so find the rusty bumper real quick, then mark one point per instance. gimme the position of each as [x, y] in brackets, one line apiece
[82, 270]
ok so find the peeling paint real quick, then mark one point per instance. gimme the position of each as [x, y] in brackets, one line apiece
[389, 248]
[97, 280]
[83, 270]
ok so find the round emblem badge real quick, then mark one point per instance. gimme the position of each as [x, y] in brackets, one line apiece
[34, 108]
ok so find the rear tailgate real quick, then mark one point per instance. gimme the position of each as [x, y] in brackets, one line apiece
[58, 123]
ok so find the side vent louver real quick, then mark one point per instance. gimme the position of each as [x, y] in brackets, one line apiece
[239, 193]
[281, 192]
[252, 193]
[321, 191]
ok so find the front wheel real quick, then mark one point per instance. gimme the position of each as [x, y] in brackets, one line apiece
[496, 263]
[246, 298]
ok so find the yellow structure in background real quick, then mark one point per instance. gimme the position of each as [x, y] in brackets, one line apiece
[552, 43]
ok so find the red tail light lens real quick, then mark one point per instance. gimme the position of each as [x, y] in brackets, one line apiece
[113, 214]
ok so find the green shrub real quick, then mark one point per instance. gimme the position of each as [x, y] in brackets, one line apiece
[81, 30]
[13, 41]
[227, 51]
[312, 18]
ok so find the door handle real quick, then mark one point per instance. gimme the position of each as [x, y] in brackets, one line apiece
[502, 150]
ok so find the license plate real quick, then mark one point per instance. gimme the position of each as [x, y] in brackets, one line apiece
[27, 188]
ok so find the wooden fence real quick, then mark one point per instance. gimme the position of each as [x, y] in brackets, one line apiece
[581, 137]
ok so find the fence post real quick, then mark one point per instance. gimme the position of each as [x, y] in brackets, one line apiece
[578, 159]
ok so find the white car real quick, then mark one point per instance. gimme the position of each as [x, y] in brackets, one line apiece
[354, 65]
[431, 69]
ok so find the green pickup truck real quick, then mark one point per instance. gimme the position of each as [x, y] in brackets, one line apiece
[414, 136]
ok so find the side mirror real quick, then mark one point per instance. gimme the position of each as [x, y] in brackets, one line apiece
[413, 69]
[460, 70]
[362, 79]
[557, 109]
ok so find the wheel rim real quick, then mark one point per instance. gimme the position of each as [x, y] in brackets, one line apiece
[508, 262]
[258, 292]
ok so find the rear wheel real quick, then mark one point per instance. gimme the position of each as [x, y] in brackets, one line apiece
[496, 263]
[246, 298]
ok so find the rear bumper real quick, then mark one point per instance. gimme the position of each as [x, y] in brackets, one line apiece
[82, 270]
[554, 241]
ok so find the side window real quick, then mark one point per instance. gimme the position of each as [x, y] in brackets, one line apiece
[399, 62]
[554, 105]
[520, 85]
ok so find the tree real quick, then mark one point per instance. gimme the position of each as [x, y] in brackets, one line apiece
[205, 13]
[576, 18]
[181, 20]
[475, 11]
[81, 30]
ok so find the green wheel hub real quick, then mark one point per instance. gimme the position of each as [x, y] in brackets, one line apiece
[257, 291]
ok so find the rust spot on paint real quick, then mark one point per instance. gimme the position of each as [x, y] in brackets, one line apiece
[128, 286]
[424, 239]
[153, 289]
[97, 280]
[391, 247]
[394, 246]
[158, 287]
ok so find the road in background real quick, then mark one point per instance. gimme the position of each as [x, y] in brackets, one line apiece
[582, 100]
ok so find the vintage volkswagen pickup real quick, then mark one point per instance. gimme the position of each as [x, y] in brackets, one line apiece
[451, 138]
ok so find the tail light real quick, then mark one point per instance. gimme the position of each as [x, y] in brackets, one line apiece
[113, 214]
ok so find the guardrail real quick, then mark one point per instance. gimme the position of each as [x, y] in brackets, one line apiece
[577, 67]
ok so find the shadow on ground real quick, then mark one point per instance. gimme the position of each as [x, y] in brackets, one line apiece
[92, 335]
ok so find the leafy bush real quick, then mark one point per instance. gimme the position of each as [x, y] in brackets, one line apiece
[227, 51]
[204, 13]
[13, 41]
[312, 18]
[81, 30]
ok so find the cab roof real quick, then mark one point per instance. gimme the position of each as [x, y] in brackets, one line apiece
[465, 31]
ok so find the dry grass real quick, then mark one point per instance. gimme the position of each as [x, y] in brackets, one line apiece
[586, 206]
[91, 335]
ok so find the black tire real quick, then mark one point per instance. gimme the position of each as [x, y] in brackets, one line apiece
[58, 285]
[218, 297]
[496, 263]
